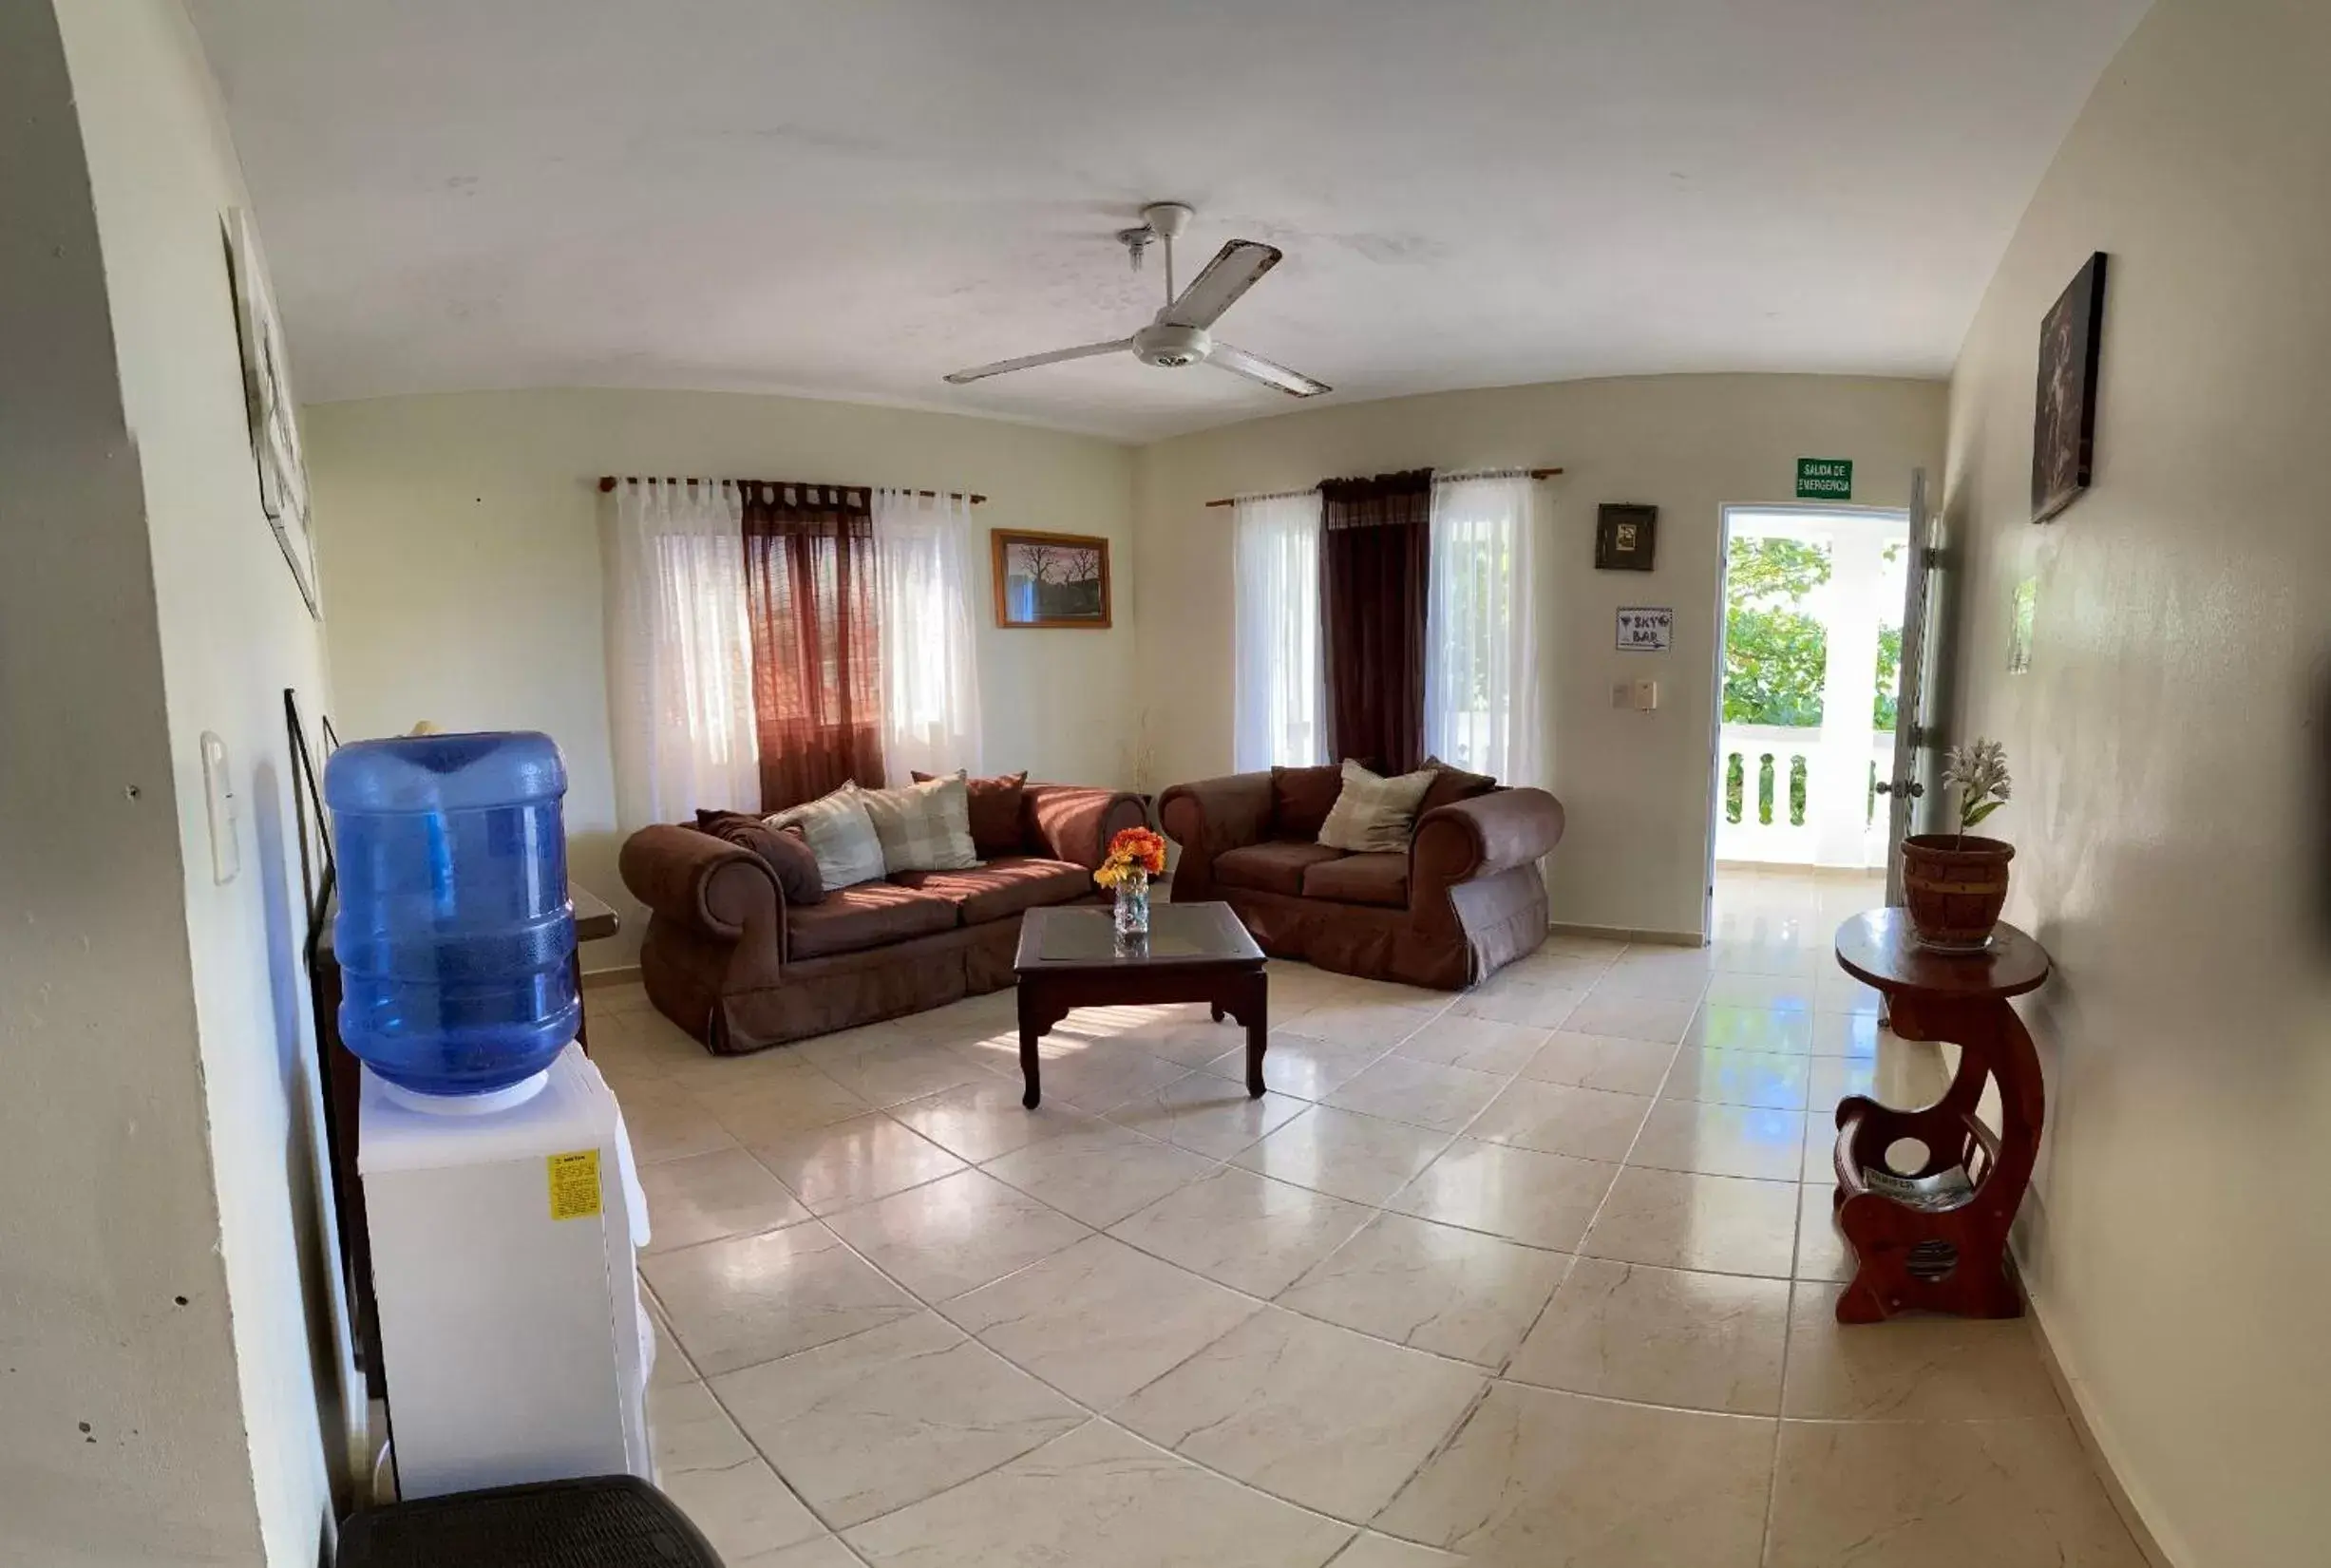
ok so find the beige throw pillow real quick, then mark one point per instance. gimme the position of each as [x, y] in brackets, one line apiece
[1374, 815]
[840, 834]
[924, 826]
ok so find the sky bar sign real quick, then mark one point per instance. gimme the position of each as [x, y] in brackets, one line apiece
[1825, 478]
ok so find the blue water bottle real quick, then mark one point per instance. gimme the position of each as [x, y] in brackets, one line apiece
[455, 937]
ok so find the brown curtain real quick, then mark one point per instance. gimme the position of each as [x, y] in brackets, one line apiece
[816, 671]
[1374, 560]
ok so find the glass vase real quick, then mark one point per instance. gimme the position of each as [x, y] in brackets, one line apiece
[1133, 905]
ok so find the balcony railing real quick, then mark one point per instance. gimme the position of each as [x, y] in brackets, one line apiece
[1769, 804]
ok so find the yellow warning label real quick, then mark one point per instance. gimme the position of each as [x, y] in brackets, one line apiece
[574, 1184]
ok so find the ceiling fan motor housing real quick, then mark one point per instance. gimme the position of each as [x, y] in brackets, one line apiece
[1170, 347]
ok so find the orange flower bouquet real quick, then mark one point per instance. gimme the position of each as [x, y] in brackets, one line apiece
[1134, 857]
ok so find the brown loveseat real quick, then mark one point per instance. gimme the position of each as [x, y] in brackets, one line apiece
[1464, 900]
[731, 961]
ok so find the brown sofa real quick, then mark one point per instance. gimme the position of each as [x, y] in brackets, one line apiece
[728, 959]
[1463, 902]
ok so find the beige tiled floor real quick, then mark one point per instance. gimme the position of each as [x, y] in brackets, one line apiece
[1522, 1277]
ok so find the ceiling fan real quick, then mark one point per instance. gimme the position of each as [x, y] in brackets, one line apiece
[1179, 335]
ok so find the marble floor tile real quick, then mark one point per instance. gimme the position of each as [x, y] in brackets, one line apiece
[819, 1552]
[1368, 1550]
[853, 1161]
[1100, 1320]
[1108, 1073]
[956, 1234]
[672, 1366]
[1561, 968]
[1365, 1158]
[1562, 1119]
[1349, 1022]
[1750, 1029]
[1629, 1016]
[1662, 1336]
[1208, 1114]
[1541, 1477]
[705, 1196]
[1485, 1044]
[1766, 992]
[1821, 1253]
[1844, 1033]
[978, 1120]
[1674, 1220]
[1444, 1098]
[1519, 1000]
[1658, 974]
[886, 1067]
[753, 1298]
[1785, 949]
[870, 1423]
[1299, 1065]
[1689, 1135]
[2005, 1494]
[1307, 1411]
[1454, 1292]
[1184, 1032]
[1602, 1061]
[1769, 1081]
[1837, 991]
[1910, 1369]
[1100, 1498]
[1539, 1200]
[1098, 1174]
[1241, 1230]
[665, 1122]
[766, 1108]
[728, 1491]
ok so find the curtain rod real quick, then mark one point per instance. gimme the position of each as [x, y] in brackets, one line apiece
[608, 482]
[1468, 473]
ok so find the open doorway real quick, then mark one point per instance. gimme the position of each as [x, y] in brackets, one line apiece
[1810, 684]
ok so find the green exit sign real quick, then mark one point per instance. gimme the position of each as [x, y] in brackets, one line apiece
[1825, 478]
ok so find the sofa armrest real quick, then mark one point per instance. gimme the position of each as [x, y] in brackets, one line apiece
[1484, 835]
[712, 887]
[1075, 823]
[1209, 817]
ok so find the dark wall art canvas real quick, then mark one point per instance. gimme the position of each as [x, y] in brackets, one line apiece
[1051, 580]
[1626, 538]
[2064, 427]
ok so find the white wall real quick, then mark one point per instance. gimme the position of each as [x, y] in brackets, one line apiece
[1636, 785]
[2168, 748]
[167, 1310]
[461, 545]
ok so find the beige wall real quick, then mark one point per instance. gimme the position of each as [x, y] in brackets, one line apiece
[461, 545]
[2169, 756]
[1636, 785]
[161, 1283]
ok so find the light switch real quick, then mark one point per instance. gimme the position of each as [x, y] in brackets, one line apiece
[1646, 694]
[218, 798]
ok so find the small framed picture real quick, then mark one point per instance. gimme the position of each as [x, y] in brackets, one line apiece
[1625, 536]
[1051, 580]
[2064, 418]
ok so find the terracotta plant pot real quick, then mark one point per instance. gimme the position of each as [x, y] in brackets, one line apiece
[1955, 886]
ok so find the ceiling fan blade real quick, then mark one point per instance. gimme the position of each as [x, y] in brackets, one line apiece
[1086, 350]
[1235, 268]
[1256, 368]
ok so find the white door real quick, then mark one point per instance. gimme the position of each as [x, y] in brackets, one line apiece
[1917, 739]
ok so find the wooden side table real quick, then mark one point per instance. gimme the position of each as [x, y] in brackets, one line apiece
[1935, 1237]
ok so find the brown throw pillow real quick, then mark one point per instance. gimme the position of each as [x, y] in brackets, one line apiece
[1301, 798]
[785, 852]
[995, 812]
[1452, 784]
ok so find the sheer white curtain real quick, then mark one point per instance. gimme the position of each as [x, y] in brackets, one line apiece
[923, 559]
[679, 654]
[1279, 698]
[1481, 631]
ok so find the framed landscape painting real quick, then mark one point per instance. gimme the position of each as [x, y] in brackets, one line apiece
[2064, 424]
[1051, 580]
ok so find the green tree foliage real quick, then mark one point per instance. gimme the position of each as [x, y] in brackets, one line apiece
[1775, 654]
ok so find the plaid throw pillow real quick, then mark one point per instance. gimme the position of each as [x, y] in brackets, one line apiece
[1374, 815]
[840, 834]
[924, 826]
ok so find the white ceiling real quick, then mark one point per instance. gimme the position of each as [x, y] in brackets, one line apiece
[851, 197]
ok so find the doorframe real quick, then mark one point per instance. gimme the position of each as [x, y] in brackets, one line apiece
[1715, 707]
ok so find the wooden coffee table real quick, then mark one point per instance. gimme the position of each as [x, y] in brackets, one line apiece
[1070, 959]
